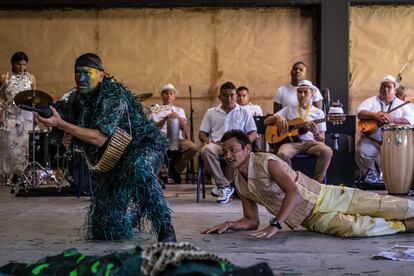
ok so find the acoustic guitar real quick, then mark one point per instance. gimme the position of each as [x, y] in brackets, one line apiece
[274, 136]
[368, 127]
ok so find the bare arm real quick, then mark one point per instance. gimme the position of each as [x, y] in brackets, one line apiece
[203, 136]
[162, 122]
[286, 184]
[292, 195]
[252, 136]
[277, 120]
[381, 117]
[249, 221]
[368, 115]
[88, 135]
[32, 77]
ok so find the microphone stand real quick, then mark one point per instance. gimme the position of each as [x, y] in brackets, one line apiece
[191, 132]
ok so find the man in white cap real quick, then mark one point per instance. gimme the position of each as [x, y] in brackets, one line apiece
[311, 139]
[286, 94]
[377, 108]
[187, 149]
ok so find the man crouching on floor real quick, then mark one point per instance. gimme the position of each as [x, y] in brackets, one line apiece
[295, 199]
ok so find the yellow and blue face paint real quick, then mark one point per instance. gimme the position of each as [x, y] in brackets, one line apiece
[87, 79]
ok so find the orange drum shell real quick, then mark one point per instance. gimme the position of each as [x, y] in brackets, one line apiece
[397, 161]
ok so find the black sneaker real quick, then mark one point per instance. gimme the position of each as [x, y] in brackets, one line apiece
[174, 175]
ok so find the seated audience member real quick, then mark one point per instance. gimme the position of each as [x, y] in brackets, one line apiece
[243, 99]
[187, 149]
[402, 94]
[286, 94]
[311, 138]
[295, 199]
[217, 120]
[376, 108]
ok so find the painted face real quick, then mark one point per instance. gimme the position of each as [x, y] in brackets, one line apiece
[228, 97]
[168, 97]
[234, 154]
[305, 95]
[243, 97]
[87, 79]
[19, 67]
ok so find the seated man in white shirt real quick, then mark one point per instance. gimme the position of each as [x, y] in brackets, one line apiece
[243, 99]
[286, 94]
[311, 137]
[217, 120]
[367, 152]
[402, 94]
[187, 149]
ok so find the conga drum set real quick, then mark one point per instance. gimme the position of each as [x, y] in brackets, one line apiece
[43, 157]
[397, 158]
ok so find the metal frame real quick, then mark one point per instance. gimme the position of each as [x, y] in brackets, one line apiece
[332, 36]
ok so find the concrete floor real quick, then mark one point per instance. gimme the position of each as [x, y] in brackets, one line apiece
[38, 226]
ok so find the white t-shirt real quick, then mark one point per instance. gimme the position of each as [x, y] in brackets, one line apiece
[216, 121]
[254, 109]
[374, 104]
[291, 112]
[163, 111]
[286, 95]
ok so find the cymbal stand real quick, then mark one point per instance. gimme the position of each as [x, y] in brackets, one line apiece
[30, 177]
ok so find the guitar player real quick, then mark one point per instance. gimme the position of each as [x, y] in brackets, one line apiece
[311, 138]
[376, 109]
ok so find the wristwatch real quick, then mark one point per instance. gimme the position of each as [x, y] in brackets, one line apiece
[275, 222]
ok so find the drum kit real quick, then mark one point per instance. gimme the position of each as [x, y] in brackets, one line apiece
[45, 160]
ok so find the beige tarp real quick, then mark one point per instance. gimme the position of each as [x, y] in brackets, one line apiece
[147, 48]
[381, 44]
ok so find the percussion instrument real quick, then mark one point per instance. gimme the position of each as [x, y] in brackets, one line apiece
[113, 152]
[144, 96]
[397, 163]
[173, 132]
[46, 154]
[34, 98]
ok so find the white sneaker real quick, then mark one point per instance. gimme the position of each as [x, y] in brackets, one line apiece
[215, 191]
[225, 194]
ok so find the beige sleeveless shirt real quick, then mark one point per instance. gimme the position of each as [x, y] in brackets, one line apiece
[261, 189]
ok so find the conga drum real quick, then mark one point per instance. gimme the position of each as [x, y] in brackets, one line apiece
[397, 162]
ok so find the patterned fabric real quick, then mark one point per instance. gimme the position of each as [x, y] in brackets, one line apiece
[129, 194]
[159, 259]
[261, 189]
[15, 135]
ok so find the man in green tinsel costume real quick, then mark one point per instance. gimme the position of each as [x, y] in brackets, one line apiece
[128, 194]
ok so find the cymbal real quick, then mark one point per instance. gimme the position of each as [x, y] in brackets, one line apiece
[33, 97]
[144, 96]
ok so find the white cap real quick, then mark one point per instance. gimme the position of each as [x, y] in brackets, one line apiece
[306, 83]
[169, 86]
[391, 79]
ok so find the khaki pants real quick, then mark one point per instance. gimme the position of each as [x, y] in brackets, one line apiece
[323, 154]
[367, 156]
[187, 149]
[210, 154]
[350, 212]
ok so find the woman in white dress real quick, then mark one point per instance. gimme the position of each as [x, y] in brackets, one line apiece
[15, 122]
